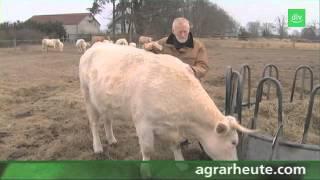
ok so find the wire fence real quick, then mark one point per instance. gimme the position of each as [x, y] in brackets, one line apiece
[13, 43]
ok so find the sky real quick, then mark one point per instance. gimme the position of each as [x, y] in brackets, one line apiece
[13, 10]
[243, 11]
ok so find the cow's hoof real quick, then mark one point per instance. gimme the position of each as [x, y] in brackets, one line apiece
[98, 150]
[112, 141]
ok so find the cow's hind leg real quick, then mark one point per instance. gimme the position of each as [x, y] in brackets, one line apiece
[93, 120]
[93, 115]
[109, 130]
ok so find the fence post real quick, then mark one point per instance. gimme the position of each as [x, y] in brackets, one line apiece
[246, 73]
[309, 114]
[304, 68]
[302, 83]
[14, 43]
[279, 132]
[269, 67]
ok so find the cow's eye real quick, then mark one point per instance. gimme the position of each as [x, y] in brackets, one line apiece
[234, 143]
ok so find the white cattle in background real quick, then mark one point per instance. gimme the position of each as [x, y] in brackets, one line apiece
[133, 44]
[61, 46]
[122, 41]
[53, 43]
[95, 39]
[82, 45]
[108, 41]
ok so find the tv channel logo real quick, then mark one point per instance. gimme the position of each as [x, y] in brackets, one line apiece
[296, 17]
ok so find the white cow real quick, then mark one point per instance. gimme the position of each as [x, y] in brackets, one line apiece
[61, 46]
[54, 43]
[160, 94]
[82, 45]
[122, 41]
[133, 44]
[108, 41]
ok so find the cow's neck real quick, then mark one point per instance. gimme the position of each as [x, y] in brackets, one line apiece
[204, 118]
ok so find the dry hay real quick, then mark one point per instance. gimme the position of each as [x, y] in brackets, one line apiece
[293, 118]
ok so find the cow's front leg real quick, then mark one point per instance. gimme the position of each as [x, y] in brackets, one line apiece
[176, 149]
[146, 140]
[93, 120]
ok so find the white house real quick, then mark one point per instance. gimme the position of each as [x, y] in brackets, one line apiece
[75, 24]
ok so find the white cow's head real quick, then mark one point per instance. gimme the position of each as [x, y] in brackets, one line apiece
[221, 143]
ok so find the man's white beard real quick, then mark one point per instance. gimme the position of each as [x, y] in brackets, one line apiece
[181, 40]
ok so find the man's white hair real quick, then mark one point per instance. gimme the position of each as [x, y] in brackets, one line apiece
[179, 21]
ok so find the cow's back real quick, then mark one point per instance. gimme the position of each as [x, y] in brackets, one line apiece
[125, 80]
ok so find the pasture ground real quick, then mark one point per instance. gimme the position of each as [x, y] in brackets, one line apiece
[42, 113]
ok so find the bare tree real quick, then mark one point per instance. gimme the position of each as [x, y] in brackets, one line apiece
[309, 33]
[97, 7]
[267, 29]
[316, 25]
[154, 17]
[296, 33]
[281, 26]
[253, 28]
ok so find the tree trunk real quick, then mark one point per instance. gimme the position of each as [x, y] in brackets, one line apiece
[113, 20]
[129, 32]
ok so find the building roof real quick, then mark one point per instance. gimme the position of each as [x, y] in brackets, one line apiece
[66, 19]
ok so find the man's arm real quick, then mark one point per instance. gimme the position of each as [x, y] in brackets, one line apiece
[201, 65]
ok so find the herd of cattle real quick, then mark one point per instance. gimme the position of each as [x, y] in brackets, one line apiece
[157, 92]
[82, 45]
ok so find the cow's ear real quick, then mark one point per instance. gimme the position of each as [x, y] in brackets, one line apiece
[222, 128]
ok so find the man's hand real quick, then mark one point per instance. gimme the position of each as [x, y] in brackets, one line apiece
[148, 46]
[152, 46]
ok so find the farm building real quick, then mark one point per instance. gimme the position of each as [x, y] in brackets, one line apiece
[75, 24]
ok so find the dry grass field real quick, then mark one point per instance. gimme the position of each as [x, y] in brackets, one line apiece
[42, 113]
